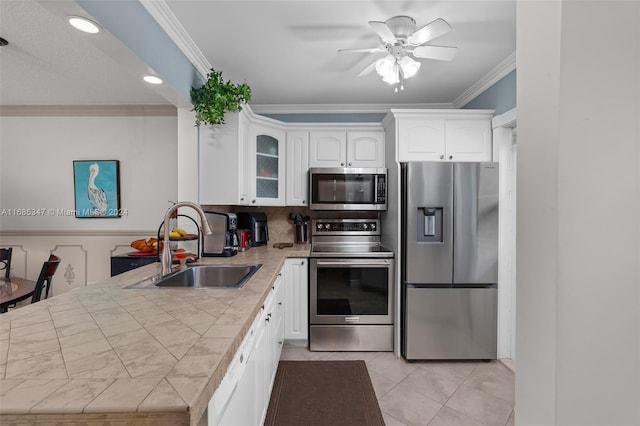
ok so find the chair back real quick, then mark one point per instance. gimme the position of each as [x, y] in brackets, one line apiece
[44, 280]
[5, 260]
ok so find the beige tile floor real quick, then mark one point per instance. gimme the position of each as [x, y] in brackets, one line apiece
[432, 393]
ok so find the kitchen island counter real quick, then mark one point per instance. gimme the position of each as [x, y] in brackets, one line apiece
[107, 354]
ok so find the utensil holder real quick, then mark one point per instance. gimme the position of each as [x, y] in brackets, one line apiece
[301, 234]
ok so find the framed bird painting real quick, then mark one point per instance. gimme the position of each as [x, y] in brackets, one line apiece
[96, 185]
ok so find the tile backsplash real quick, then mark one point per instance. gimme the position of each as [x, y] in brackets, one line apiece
[281, 229]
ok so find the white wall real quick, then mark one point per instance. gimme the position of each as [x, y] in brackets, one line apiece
[36, 171]
[36, 166]
[578, 270]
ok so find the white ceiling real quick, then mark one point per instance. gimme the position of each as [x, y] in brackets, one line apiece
[285, 50]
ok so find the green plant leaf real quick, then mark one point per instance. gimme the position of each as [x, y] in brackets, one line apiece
[216, 97]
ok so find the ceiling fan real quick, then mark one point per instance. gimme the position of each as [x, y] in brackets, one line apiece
[403, 43]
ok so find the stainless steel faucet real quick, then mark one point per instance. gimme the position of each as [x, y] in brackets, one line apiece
[166, 250]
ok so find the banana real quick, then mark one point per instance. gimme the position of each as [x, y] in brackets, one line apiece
[174, 234]
[180, 231]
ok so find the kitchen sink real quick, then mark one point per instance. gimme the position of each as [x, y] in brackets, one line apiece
[202, 276]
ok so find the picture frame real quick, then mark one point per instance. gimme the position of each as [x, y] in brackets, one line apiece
[96, 187]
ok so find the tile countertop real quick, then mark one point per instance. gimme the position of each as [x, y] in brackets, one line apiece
[105, 353]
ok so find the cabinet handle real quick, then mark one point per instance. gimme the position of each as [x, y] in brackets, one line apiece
[451, 157]
[279, 303]
[341, 164]
[241, 198]
[442, 157]
[253, 201]
[349, 164]
[302, 263]
[304, 201]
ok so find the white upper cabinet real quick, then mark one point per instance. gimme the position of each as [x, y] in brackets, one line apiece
[267, 165]
[242, 162]
[365, 149]
[442, 135]
[297, 167]
[346, 148]
[468, 140]
[328, 149]
[253, 160]
[421, 139]
[222, 161]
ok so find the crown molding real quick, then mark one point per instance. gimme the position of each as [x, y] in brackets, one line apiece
[507, 119]
[87, 110]
[339, 108]
[489, 79]
[163, 15]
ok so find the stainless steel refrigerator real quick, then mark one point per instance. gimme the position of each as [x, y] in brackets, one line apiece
[450, 260]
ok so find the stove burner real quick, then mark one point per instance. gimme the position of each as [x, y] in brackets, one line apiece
[347, 238]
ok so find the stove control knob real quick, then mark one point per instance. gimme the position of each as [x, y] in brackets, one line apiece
[373, 226]
[365, 226]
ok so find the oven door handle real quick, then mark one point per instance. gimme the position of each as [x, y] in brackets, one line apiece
[350, 263]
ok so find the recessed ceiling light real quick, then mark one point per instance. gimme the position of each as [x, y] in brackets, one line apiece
[152, 79]
[84, 24]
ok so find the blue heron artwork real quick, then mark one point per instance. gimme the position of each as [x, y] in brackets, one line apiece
[97, 188]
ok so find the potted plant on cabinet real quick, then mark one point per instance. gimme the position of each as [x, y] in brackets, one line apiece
[216, 97]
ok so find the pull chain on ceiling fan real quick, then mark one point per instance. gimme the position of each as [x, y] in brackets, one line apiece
[403, 43]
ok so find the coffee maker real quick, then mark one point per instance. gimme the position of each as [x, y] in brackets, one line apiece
[232, 239]
[256, 222]
[223, 242]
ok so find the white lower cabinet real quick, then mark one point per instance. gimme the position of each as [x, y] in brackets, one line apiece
[296, 295]
[229, 404]
[243, 395]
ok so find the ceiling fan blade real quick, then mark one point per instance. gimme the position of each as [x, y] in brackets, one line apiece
[368, 69]
[383, 31]
[369, 50]
[429, 32]
[441, 53]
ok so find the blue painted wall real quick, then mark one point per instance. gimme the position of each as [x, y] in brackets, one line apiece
[329, 117]
[500, 97]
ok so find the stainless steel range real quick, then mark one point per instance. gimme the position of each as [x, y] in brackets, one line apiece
[351, 287]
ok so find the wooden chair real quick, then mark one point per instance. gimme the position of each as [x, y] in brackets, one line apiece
[44, 280]
[5, 260]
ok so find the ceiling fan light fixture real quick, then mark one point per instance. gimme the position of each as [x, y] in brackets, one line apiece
[83, 24]
[409, 66]
[387, 68]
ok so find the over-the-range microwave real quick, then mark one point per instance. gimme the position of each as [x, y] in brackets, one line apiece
[347, 188]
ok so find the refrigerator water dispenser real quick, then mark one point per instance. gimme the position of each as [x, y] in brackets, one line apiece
[429, 224]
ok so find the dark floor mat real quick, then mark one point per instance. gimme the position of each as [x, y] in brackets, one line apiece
[323, 393]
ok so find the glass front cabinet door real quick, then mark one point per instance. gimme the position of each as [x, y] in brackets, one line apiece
[267, 168]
